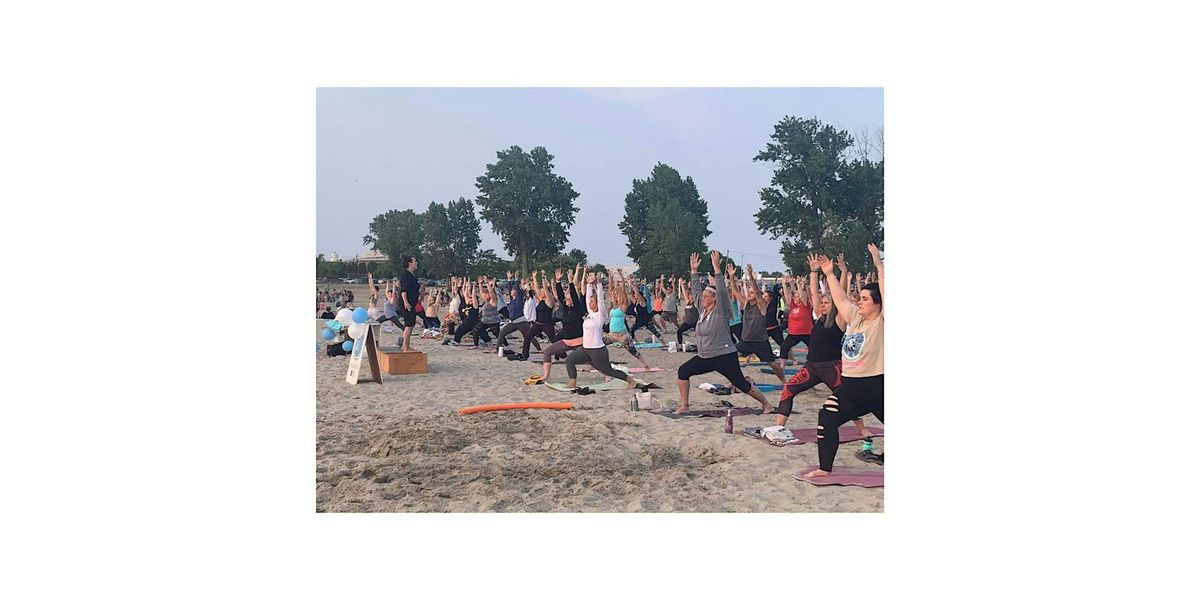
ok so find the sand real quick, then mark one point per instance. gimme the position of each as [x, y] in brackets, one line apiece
[401, 447]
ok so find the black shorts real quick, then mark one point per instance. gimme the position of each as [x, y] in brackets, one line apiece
[762, 350]
[409, 317]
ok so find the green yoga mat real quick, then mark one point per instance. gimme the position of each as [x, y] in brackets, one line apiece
[604, 386]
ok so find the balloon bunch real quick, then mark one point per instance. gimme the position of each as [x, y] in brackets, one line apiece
[352, 322]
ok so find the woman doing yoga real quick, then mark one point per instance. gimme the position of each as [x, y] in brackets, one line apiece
[716, 351]
[861, 391]
[594, 350]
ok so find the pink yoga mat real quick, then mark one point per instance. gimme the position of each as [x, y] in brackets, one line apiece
[843, 476]
[631, 369]
[845, 434]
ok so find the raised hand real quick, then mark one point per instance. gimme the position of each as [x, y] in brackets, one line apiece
[715, 256]
[841, 261]
[510, 274]
[557, 274]
[694, 261]
[730, 270]
[874, 250]
[826, 265]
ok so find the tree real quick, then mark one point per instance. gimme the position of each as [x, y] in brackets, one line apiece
[676, 234]
[488, 263]
[665, 221]
[598, 268]
[820, 199]
[437, 253]
[567, 260]
[464, 234]
[527, 205]
[396, 233]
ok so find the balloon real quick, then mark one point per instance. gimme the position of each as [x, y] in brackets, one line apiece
[360, 315]
[347, 345]
[327, 334]
[345, 316]
[357, 330]
[334, 325]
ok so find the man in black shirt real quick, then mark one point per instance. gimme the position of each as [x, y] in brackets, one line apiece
[410, 290]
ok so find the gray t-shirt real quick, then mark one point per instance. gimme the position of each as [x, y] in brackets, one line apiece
[754, 324]
[489, 314]
[712, 330]
[669, 303]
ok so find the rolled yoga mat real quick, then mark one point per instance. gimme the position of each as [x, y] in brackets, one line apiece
[844, 476]
[740, 411]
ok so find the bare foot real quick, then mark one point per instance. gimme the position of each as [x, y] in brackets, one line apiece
[815, 473]
[767, 408]
[630, 383]
[683, 408]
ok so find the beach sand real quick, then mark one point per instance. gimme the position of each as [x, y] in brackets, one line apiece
[402, 447]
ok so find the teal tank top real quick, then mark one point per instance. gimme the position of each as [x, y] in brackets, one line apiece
[616, 322]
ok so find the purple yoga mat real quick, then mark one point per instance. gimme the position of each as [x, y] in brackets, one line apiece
[712, 412]
[844, 476]
[845, 434]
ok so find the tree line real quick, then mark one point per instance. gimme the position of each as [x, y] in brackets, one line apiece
[826, 195]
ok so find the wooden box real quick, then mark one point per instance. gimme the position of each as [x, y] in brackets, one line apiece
[394, 362]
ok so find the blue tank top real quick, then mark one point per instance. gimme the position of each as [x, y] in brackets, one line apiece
[616, 322]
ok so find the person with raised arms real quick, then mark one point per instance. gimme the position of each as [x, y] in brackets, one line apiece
[861, 391]
[689, 316]
[715, 349]
[824, 364]
[594, 350]
[799, 328]
[517, 319]
[543, 322]
[754, 321]
[618, 331]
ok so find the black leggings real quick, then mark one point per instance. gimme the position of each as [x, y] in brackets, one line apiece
[480, 332]
[598, 357]
[856, 397]
[533, 331]
[725, 364]
[777, 335]
[651, 327]
[626, 340]
[466, 327]
[395, 321]
[430, 322]
[557, 348]
[785, 349]
[811, 374]
[683, 328]
[523, 327]
[735, 332]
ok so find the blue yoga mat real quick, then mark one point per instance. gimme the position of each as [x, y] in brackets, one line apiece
[645, 345]
[785, 371]
[768, 387]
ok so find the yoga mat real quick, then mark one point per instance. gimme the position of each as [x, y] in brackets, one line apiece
[844, 476]
[740, 411]
[631, 369]
[785, 371]
[845, 434]
[604, 386]
[759, 363]
[809, 436]
[645, 345]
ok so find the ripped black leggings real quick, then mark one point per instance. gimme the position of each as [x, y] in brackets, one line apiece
[856, 397]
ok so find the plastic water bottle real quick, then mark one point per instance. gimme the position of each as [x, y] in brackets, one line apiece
[868, 447]
[728, 421]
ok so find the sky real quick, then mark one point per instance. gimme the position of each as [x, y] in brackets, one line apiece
[396, 148]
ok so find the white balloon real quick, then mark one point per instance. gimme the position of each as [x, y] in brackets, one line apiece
[345, 316]
[357, 330]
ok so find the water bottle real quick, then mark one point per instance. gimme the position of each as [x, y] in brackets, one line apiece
[868, 447]
[728, 421]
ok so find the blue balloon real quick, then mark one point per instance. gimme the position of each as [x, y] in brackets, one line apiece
[328, 334]
[360, 315]
[347, 345]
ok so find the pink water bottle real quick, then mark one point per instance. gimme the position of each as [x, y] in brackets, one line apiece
[728, 421]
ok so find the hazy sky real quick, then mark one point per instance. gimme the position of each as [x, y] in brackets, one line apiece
[385, 148]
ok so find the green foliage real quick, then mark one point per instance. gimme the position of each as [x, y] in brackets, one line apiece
[598, 268]
[527, 205]
[489, 264]
[819, 201]
[396, 233]
[464, 235]
[564, 261]
[665, 221]
[444, 238]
